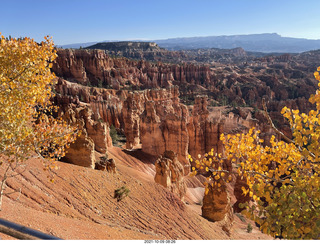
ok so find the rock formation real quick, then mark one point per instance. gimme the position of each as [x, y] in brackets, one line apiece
[139, 50]
[152, 52]
[205, 127]
[216, 203]
[133, 107]
[144, 100]
[154, 118]
[96, 68]
[170, 173]
[106, 164]
[163, 124]
[94, 133]
[106, 104]
[157, 120]
[273, 78]
[81, 151]
[216, 206]
[243, 83]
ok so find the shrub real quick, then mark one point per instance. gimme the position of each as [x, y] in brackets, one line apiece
[121, 193]
[114, 135]
[249, 228]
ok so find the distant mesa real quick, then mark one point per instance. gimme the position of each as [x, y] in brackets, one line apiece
[137, 50]
[125, 46]
[151, 51]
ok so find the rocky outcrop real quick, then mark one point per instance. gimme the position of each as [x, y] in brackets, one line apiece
[205, 127]
[133, 107]
[105, 164]
[170, 173]
[97, 131]
[81, 151]
[153, 118]
[126, 46]
[273, 78]
[163, 125]
[139, 50]
[94, 135]
[216, 207]
[152, 52]
[157, 120]
[82, 66]
[105, 104]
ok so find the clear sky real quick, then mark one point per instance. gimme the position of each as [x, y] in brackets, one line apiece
[77, 21]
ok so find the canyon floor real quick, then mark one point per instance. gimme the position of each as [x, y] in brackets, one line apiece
[80, 204]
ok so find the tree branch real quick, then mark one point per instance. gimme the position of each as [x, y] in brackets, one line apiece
[283, 136]
[266, 114]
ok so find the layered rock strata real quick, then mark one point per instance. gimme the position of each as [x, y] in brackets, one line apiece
[205, 127]
[94, 136]
[273, 78]
[96, 68]
[81, 151]
[154, 119]
[106, 104]
[157, 120]
[163, 124]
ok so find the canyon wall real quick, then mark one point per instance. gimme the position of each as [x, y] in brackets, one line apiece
[96, 68]
[279, 79]
[147, 101]
[175, 110]
[77, 106]
[153, 119]
[106, 104]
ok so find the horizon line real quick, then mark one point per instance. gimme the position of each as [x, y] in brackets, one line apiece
[185, 37]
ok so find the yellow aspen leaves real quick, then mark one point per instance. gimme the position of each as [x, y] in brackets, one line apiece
[26, 84]
[282, 177]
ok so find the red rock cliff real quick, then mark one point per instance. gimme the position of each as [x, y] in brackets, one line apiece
[95, 67]
[156, 118]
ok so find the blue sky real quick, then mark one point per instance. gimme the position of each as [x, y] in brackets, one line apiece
[76, 21]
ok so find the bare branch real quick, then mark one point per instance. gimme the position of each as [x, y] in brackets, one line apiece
[283, 136]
